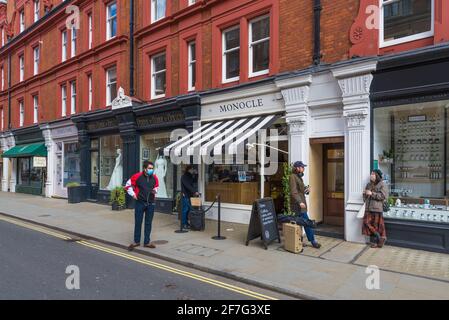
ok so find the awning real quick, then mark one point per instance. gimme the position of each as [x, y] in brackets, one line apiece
[221, 137]
[26, 150]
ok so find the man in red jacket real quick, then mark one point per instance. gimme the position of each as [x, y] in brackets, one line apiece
[143, 188]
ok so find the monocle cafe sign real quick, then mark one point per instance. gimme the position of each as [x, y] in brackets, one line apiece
[250, 106]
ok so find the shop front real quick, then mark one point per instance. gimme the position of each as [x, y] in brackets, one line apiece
[410, 95]
[28, 159]
[155, 126]
[64, 161]
[239, 149]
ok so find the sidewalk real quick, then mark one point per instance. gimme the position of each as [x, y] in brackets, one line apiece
[336, 271]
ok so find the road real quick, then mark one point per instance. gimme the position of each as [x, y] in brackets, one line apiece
[34, 262]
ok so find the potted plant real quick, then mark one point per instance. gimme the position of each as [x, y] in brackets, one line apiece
[74, 192]
[288, 169]
[118, 199]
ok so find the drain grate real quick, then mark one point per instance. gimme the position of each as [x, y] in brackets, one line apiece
[197, 250]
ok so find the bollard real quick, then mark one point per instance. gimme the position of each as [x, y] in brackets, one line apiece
[219, 237]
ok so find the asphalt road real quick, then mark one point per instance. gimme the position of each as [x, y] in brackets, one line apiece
[33, 266]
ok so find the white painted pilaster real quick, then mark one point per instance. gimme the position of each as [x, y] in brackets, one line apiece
[11, 142]
[355, 82]
[49, 143]
[5, 178]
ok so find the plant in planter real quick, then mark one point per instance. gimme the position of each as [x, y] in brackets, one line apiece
[286, 189]
[118, 199]
[74, 192]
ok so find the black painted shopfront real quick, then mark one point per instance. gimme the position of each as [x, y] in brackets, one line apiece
[410, 101]
[114, 143]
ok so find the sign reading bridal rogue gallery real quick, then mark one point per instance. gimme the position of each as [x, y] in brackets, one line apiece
[263, 222]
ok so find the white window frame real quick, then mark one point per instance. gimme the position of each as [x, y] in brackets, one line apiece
[154, 74]
[109, 19]
[73, 97]
[224, 52]
[22, 113]
[191, 64]
[192, 2]
[251, 45]
[3, 78]
[109, 85]
[64, 100]
[64, 36]
[418, 36]
[154, 10]
[35, 109]
[22, 20]
[36, 10]
[22, 68]
[73, 41]
[90, 95]
[90, 26]
[36, 59]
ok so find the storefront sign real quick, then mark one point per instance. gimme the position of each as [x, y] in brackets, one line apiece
[39, 162]
[102, 124]
[263, 222]
[162, 118]
[267, 103]
[64, 132]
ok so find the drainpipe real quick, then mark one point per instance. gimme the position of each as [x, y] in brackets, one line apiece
[317, 7]
[9, 91]
[131, 49]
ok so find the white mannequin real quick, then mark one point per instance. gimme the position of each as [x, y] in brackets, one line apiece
[160, 170]
[117, 174]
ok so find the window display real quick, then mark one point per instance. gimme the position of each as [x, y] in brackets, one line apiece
[111, 166]
[28, 175]
[410, 147]
[71, 163]
[152, 149]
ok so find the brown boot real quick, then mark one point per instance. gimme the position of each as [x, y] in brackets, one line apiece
[381, 242]
[132, 246]
[150, 245]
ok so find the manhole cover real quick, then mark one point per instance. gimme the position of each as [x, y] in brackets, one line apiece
[159, 242]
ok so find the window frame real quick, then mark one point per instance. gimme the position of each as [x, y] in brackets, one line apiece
[21, 113]
[35, 108]
[37, 7]
[64, 44]
[36, 59]
[89, 91]
[224, 52]
[3, 77]
[73, 41]
[2, 118]
[418, 36]
[109, 19]
[64, 100]
[22, 68]
[90, 36]
[153, 95]
[153, 10]
[73, 97]
[192, 65]
[109, 84]
[251, 73]
[22, 26]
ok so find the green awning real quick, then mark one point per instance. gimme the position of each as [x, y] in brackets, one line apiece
[26, 150]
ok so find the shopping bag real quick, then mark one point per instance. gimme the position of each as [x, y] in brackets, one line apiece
[196, 202]
[361, 212]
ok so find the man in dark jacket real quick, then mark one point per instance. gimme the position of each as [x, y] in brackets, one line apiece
[298, 200]
[188, 190]
[143, 188]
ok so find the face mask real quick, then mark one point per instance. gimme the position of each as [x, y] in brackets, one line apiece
[150, 172]
[301, 174]
[373, 178]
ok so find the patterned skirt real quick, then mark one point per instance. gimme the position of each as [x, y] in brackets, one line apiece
[374, 222]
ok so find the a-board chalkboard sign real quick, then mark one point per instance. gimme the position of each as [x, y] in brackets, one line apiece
[263, 222]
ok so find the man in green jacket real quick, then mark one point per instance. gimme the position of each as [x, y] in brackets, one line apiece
[298, 202]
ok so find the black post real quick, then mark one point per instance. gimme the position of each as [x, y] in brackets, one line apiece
[219, 237]
[181, 230]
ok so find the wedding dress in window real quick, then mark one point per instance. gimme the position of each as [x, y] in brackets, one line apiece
[117, 174]
[160, 170]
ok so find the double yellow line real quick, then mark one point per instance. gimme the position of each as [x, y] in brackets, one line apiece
[147, 262]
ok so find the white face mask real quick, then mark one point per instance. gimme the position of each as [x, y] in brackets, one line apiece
[373, 178]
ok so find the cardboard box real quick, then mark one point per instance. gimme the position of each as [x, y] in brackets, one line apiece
[292, 237]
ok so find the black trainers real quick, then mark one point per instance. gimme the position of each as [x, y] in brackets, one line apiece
[316, 245]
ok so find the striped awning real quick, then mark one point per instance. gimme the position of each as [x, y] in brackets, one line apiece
[220, 137]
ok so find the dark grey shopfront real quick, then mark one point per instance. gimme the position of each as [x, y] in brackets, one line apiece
[113, 144]
[410, 101]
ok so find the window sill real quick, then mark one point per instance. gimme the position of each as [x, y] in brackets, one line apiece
[259, 73]
[420, 36]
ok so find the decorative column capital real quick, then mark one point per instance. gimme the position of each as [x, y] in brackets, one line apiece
[297, 125]
[356, 119]
[46, 133]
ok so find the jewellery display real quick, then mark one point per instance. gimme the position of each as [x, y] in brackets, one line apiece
[431, 215]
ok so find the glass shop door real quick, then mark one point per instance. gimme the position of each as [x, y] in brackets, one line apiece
[334, 178]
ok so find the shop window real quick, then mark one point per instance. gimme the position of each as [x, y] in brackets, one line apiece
[410, 147]
[152, 149]
[259, 46]
[111, 24]
[405, 20]
[111, 85]
[192, 65]
[158, 76]
[27, 174]
[158, 10]
[111, 162]
[231, 55]
[72, 163]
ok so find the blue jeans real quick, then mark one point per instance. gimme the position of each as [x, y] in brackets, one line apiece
[186, 207]
[309, 231]
[140, 210]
